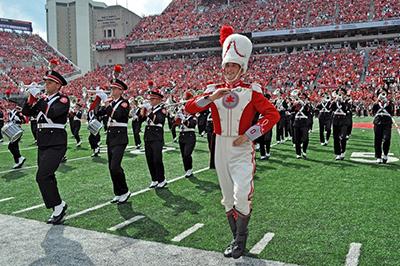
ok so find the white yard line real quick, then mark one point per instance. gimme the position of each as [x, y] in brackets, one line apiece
[30, 208]
[6, 199]
[187, 232]
[260, 246]
[132, 195]
[395, 124]
[126, 223]
[353, 255]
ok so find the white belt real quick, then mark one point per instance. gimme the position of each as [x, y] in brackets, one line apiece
[188, 130]
[76, 118]
[156, 125]
[46, 125]
[117, 124]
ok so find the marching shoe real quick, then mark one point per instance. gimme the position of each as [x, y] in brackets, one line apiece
[124, 198]
[115, 199]
[304, 155]
[58, 214]
[342, 156]
[323, 143]
[338, 158]
[379, 161]
[163, 184]
[298, 156]
[267, 156]
[20, 163]
[153, 184]
[263, 158]
[189, 173]
[326, 143]
[138, 147]
[384, 159]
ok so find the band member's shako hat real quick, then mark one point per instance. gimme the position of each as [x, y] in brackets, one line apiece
[56, 77]
[236, 48]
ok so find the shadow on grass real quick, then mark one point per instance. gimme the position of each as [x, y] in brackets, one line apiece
[178, 203]
[13, 175]
[203, 185]
[145, 228]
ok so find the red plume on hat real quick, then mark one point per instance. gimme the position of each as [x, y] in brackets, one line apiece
[8, 92]
[150, 83]
[224, 33]
[117, 70]
[53, 63]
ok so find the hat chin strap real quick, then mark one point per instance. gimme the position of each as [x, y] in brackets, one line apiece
[236, 78]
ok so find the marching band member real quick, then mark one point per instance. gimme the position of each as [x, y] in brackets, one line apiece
[171, 119]
[349, 115]
[136, 123]
[1, 124]
[325, 119]
[339, 123]
[211, 140]
[75, 121]
[155, 115]
[233, 106]
[15, 116]
[93, 113]
[265, 140]
[383, 110]
[52, 113]
[187, 137]
[282, 106]
[117, 111]
[301, 109]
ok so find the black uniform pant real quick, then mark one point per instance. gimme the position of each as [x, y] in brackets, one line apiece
[34, 128]
[211, 147]
[301, 137]
[187, 146]
[115, 155]
[349, 125]
[49, 159]
[324, 125]
[288, 130]
[280, 128]
[265, 143]
[339, 138]
[136, 132]
[383, 135]
[172, 127]
[153, 151]
[13, 147]
[75, 130]
[94, 141]
[202, 124]
[1, 125]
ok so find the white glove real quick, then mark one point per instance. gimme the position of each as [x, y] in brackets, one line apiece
[181, 116]
[103, 96]
[147, 106]
[34, 91]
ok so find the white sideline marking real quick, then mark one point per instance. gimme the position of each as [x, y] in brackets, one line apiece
[30, 208]
[126, 223]
[395, 124]
[353, 255]
[132, 195]
[262, 243]
[187, 232]
[35, 166]
[1, 200]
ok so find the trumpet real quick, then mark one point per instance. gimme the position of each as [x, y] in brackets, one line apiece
[33, 88]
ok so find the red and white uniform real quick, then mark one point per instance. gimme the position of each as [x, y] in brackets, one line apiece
[232, 116]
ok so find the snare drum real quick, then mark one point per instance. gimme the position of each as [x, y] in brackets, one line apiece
[12, 131]
[94, 126]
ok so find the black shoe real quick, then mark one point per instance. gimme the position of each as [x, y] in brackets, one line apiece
[228, 250]
[60, 218]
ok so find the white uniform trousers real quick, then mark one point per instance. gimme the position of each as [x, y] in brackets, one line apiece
[235, 168]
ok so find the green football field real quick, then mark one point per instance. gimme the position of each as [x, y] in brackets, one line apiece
[315, 208]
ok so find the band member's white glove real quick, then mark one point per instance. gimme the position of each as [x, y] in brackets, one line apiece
[34, 91]
[103, 96]
[147, 106]
[181, 116]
